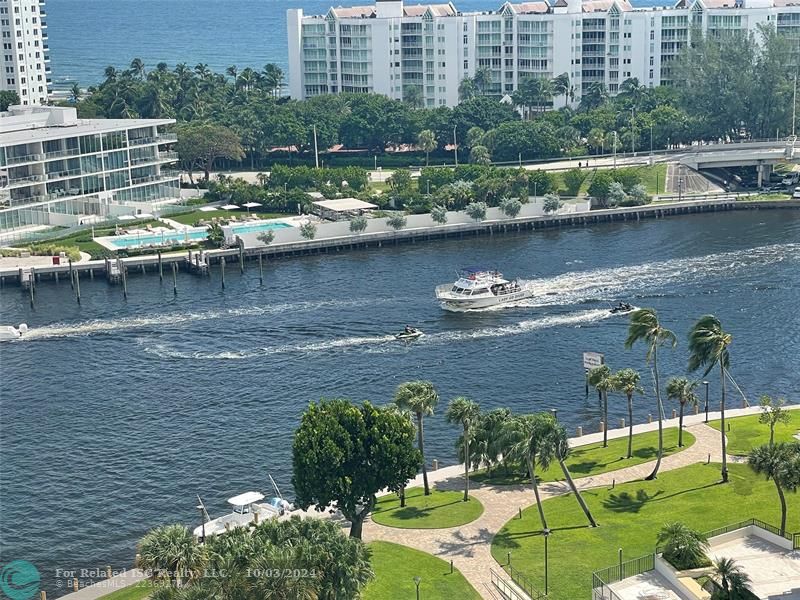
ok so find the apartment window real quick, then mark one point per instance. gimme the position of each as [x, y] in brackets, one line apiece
[651, 61]
[652, 35]
[651, 73]
[466, 65]
[466, 41]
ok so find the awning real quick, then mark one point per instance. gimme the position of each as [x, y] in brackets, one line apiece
[251, 204]
[126, 218]
[229, 207]
[344, 204]
[207, 208]
[246, 498]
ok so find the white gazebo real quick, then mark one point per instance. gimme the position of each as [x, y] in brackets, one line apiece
[341, 208]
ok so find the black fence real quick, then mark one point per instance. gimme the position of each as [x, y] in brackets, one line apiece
[524, 583]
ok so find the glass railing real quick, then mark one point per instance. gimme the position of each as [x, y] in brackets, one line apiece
[15, 160]
[142, 140]
[164, 138]
[64, 173]
[60, 153]
[25, 179]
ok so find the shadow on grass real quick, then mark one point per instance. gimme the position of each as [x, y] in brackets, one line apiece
[415, 512]
[626, 502]
[648, 452]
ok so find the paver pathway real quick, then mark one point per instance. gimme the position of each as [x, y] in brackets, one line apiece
[469, 546]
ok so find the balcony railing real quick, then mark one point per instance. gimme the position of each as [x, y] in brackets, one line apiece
[25, 179]
[168, 156]
[154, 178]
[60, 153]
[165, 138]
[61, 174]
[15, 160]
[142, 141]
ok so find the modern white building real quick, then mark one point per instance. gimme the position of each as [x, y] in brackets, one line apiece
[26, 54]
[59, 170]
[389, 47]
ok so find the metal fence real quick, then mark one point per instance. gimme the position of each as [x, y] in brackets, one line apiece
[747, 523]
[796, 541]
[623, 570]
[524, 583]
[501, 585]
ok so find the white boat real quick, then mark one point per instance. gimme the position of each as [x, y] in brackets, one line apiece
[409, 335]
[247, 510]
[481, 288]
[9, 332]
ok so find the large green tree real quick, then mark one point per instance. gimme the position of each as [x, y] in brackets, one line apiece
[201, 145]
[781, 464]
[343, 454]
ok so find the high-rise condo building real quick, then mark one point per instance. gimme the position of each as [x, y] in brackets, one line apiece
[26, 54]
[389, 48]
[59, 170]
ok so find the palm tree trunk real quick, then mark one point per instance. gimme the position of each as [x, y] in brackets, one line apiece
[466, 466]
[536, 493]
[680, 428]
[783, 505]
[630, 425]
[575, 491]
[722, 425]
[660, 420]
[421, 445]
[605, 419]
[772, 433]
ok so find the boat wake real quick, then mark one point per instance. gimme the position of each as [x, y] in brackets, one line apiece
[386, 343]
[158, 322]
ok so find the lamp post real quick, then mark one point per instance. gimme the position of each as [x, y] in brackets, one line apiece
[202, 510]
[555, 413]
[546, 534]
[615, 149]
[633, 133]
[417, 581]
[705, 383]
[455, 145]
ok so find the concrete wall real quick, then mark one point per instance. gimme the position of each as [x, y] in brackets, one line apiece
[341, 229]
[751, 530]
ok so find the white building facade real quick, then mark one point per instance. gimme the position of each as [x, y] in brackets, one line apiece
[26, 53]
[58, 170]
[388, 47]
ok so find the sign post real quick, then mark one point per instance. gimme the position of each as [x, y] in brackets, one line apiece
[590, 361]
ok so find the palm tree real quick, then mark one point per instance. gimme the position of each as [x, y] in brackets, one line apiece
[272, 78]
[781, 463]
[420, 398]
[137, 68]
[561, 449]
[412, 95]
[482, 79]
[110, 73]
[627, 382]
[75, 93]
[232, 72]
[645, 327]
[561, 86]
[600, 377]
[595, 96]
[527, 439]
[171, 552]
[708, 347]
[426, 140]
[685, 548]
[466, 89]
[466, 413]
[733, 580]
[486, 447]
[682, 390]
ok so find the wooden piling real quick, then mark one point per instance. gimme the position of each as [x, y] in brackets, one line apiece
[143, 269]
[71, 275]
[174, 279]
[91, 273]
[260, 268]
[160, 268]
[241, 256]
[30, 288]
[78, 285]
[124, 273]
[222, 270]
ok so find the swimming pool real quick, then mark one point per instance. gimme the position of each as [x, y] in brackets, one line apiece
[193, 234]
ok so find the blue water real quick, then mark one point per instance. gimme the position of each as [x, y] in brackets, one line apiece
[136, 241]
[116, 412]
[88, 35]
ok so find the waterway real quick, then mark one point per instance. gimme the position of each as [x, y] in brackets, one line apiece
[116, 413]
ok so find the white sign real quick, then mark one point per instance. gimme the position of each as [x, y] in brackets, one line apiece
[592, 360]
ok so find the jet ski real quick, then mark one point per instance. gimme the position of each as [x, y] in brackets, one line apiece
[8, 332]
[408, 334]
[622, 307]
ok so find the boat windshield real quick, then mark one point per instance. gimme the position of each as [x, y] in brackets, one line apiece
[243, 509]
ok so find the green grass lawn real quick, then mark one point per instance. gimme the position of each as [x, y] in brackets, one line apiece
[440, 509]
[193, 217]
[630, 517]
[138, 591]
[654, 178]
[396, 567]
[593, 459]
[746, 432]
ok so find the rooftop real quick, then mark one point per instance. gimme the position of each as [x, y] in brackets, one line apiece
[25, 124]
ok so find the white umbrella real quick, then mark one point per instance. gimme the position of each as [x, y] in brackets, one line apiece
[126, 218]
[207, 208]
[229, 207]
[249, 205]
[145, 216]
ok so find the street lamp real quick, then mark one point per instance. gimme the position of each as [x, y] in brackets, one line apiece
[705, 383]
[202, 510]
[615, 149]
[555, 413]
[417, 581]
[546, 534]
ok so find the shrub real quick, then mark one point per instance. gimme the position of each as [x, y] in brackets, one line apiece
[358, 224]
[573, 180]
[266, 237]
[510, 207]
[683, 548]
[552, 202]
[616, 194]
[476, 210]
[215, 235]
[439, 214]
[396, 221]
[308, 230]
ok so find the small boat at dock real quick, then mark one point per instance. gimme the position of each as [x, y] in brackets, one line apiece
[247, 510]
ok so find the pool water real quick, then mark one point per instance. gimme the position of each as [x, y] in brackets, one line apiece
[194, 234]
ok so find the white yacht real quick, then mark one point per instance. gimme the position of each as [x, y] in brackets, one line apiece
[247, 510]
[9, 332]
[481, 288]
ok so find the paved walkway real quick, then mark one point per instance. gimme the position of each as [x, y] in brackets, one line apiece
[469, 546]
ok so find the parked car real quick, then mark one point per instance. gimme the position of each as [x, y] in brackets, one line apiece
[796, 194]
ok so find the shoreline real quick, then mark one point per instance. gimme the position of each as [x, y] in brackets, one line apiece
[185, 260]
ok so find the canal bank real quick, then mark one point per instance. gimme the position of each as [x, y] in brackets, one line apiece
[334, 238]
